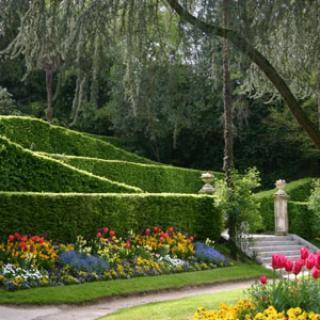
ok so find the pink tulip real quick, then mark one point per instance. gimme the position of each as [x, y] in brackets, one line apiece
[311, 261]
[263, 279]
[289, 266]
[315, 273]
[304, 253]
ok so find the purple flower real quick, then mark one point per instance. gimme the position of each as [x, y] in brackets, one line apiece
[204, 252]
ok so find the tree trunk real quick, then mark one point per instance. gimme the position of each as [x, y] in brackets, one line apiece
[255, 56]
[228, 133]
[49, 83]
[227, 100]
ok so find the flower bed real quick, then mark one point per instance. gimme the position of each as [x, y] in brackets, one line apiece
[32, 261]
[288, 298]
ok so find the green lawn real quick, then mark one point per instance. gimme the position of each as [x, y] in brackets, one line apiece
[181, 309]
[104, 289]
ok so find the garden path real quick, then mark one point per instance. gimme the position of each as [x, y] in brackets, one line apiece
[96, 310]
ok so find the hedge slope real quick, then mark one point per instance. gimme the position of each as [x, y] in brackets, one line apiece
[148, 177]
[39, 135]
[23, 170]
[64, 216]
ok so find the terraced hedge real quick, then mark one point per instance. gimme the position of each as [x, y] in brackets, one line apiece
[23, 170]
[298, 191]
[150, 178]
[38, 135]
[64, 216]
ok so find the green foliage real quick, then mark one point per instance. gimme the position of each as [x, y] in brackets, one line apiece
[23, 170]
[38, 135]
[240, 201]
[314, 205]
[302, 220]
[298, 190]
[64, 216]
[148, 177]
[7, 104]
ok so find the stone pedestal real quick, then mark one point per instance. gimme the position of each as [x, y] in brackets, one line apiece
[281, 209]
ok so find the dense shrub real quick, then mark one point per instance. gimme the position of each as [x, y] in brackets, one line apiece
[23, 170]
[38, 135]
[298, 190]
[148, 177]
[64, 216]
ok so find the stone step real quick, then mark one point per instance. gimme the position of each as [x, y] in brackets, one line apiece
[268, 238]
[278, 248]
[284, 253]
[268, 260]
[273, 243]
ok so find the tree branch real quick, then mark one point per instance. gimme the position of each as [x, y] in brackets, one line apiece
[255, 56]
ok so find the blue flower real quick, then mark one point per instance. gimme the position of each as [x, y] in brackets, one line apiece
[81, 262]
[204, 252]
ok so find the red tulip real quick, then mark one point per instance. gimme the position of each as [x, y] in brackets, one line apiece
[99, 235]
[289, 266]
[11, 238]
[164, 235]
[148, 231]
[17, 235]
[191, 238]
[112, 233]
[315, 273]
[171, 229]
[275, 261]
[282, 261]
[156, 229]
[105, 230]
[263, 279]
[311, 261]
[278, 261]
[297, 267]
[318, 260]
[304, 253]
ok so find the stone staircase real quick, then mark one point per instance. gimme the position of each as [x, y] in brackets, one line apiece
[262, 247]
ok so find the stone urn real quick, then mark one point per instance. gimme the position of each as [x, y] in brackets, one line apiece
[207, 178]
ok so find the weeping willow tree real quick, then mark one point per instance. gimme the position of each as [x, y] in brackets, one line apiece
[41, 41]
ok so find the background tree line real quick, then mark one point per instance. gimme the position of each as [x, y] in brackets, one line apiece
[134, 71]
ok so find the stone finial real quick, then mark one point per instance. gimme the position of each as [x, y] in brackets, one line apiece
[207, 178]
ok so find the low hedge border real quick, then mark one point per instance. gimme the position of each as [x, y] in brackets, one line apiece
[24, 170]
[149, 177]
[65, 216]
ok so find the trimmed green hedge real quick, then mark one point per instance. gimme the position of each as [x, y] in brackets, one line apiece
[298, 190]
[302, 221]
[23, 170]
[150, 178]
[64, 216]
[38, 135]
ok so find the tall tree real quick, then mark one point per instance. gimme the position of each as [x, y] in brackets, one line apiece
[41, 42]
[247, 48]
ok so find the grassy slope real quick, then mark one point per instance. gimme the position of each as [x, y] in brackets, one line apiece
[104, 289]
[180, 309]
[38, 135]
[148, 177]
[23, 170]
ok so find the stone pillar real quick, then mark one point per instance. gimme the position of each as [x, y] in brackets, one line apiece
[207, 178]
[281, 209]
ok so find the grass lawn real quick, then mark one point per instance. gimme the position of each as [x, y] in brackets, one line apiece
[181, 309]
[103, 289]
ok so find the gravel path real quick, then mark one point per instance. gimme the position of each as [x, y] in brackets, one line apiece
[94, 311]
